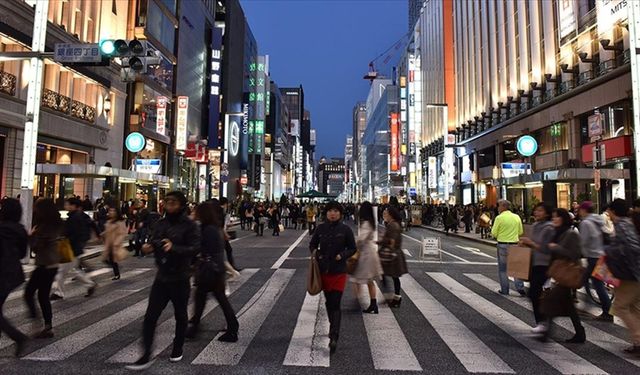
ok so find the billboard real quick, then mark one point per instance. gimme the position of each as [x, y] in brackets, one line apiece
[214, 89]
[161, 115]
[395, 143]
[433, 175]
[181, 123]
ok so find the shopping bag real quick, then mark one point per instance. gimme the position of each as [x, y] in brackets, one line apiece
[567, 273]
[519, 262]
[603, 273]
[281, 227]
[65, 252]
[314, 281]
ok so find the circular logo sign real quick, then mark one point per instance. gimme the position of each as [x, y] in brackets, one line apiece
[234, 139]
[135, 142]
[527, 145]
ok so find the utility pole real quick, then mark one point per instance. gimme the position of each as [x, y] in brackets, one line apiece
[34, 92]
[634, 38]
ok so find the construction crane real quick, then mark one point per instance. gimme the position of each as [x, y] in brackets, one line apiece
[388, 54]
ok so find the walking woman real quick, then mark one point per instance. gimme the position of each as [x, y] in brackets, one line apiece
[334, 243]
[559, 301]
[47, 228]
[542, 234]
[369, 268]
[392, 258]
[114, 233]
[260, 216]
[274, 215]
[210, 276]
[13, 247]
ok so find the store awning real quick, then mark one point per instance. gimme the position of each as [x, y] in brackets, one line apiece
[96, 171]
[567, 175]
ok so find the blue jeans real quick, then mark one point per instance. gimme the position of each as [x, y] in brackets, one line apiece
[598, 285]
[502, 271]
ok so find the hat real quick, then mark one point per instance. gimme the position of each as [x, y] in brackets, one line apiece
[586, 205]
[334, 205]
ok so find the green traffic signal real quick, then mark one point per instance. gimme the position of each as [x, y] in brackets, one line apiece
[107, 48]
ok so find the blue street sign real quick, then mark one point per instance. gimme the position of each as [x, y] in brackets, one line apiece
[527, 145]
[135, 142]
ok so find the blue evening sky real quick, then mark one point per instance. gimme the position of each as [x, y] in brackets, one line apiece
[326, 46]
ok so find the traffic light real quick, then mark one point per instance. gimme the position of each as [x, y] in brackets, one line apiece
[135, 56]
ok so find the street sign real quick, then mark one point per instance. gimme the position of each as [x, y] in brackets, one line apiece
[527, 145]
[151, 166]
[431, 248]
[77, 53]
[596, 179]
[594, 124]
[135, 142]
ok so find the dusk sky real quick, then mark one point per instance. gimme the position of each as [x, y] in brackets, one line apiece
[326, 46]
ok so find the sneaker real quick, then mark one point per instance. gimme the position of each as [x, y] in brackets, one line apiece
[504, 294]
[55, 297]
[176, 355]
[604, 318]
[142, 364]
[540, 328]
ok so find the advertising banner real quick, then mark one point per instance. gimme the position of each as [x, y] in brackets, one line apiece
[214, 94]
[566, 18]
[161, 115]
[611, 12]
[433, 175]
[395, 144]
[181, 123]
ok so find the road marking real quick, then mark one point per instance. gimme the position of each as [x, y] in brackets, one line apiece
[468, 263]
[474, 355]
[383, 329]
[72, 344]
[556, 355]
[442, 251]
[165, 331]
[250, 317]
[284, 256]
[476, 251]
[77, 310]
[310, 340]
[596, 336]
[407, 252]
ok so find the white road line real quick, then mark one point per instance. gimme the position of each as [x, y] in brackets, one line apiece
[251, 317]
[475, 251]
[474, 355]
[596, 336]
[310, 340]
[72, 344]
[390, 349]
[407, 252]
[468, 263]
[100, 271]
[86, 307]
[165, 331]
[556, 355]
[284, 256]
[442, 251]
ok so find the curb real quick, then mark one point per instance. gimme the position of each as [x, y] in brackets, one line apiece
[478, 240]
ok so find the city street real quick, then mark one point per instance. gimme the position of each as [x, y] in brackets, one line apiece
[451, 321]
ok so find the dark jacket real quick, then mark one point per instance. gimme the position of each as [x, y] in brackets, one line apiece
[331, 239]
[44, 243]
[212, 249]
[13, 247]
[78, 231]
[175, 265]
[398, 266]
[623, 254]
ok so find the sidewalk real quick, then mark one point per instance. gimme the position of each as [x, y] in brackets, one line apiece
[467, 236]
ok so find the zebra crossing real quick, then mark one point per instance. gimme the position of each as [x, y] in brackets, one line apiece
[488, 334]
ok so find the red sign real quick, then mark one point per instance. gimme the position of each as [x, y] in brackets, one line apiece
[394, 143]
[196, 152]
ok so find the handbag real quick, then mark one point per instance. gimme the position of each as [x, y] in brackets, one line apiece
[567, 273]
[65, 252]
[314, 281]
[602, 272]
[386, 255]
[281, 227]
[352, 262]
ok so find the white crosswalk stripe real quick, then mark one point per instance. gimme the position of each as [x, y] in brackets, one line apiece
[310, 340]
[165, 331]
[597, 336]
[251, 317]
[556, 355]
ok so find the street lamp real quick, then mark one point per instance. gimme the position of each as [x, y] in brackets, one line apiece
[448, 152]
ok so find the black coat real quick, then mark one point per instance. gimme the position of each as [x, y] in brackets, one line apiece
[331, 239]
[212, 249]
[13, 247]
[184, 233]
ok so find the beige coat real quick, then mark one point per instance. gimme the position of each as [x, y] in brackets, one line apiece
[114, 235]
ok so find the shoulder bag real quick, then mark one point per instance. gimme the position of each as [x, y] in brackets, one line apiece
[314, 281]
[65, 251]
[567, 273]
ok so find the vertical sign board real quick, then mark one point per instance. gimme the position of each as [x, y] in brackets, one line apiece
[595, 125]
[566, 18]
[610, 13]
[244, 137]
[394, 143]
[215, 82]
[181, 123]
[161, 115]
[433, 176]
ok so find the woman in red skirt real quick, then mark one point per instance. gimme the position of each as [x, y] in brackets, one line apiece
[335, 244]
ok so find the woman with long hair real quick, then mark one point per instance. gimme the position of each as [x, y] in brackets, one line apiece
[542, 234]
[369, 268]
[565, 245]
[392, 258]
[210, 275]
[114, 234]
[47, 228]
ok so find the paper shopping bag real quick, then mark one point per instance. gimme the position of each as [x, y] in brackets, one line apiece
[519, 262]
[602, 273]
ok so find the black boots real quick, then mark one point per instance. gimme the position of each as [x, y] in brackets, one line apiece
[334, 329]
[373, 307]
[578, 338]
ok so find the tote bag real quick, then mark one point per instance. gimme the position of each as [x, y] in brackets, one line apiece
[314, 281]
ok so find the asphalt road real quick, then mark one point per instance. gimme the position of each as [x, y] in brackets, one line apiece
[451, 321]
